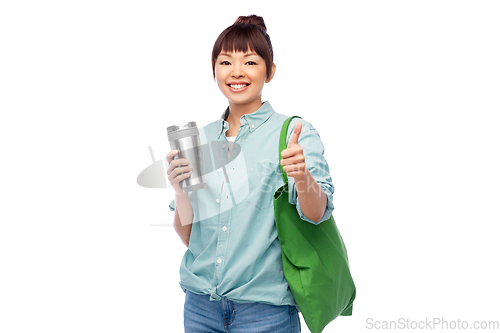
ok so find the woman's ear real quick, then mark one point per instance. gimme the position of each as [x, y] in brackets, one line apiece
[273, 70]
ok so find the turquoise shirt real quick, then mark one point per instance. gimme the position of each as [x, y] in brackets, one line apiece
[234, 251]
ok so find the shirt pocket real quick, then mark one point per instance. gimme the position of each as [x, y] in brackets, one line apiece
[263, 180]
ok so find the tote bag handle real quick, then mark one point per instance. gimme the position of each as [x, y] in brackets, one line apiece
[282, 144]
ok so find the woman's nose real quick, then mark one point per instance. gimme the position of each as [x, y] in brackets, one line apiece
[237, 71]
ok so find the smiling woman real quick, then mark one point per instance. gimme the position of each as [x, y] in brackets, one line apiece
[232, 273]
[242, 61]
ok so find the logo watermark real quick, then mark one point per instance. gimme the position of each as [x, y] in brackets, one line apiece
[244, 181]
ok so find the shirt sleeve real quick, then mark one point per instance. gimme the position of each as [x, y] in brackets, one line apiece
[172, 205]
[313, 148]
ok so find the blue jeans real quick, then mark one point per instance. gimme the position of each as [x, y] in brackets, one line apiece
[203, 315]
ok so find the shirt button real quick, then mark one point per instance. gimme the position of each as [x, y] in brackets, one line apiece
[224, 228]
[253, 126]
[225, 124]
[217, 200]
[220, 169]
[219, 261]
[220, 131]
[227, 196]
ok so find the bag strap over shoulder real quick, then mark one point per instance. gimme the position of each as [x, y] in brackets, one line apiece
[282, 144]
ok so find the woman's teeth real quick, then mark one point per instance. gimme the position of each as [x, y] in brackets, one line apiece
[238, 86]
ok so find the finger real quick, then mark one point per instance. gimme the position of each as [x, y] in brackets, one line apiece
[172, 173]
[299, 167]
[296, 159]
[179, 178]
[289, 152]
[171, 155]
[294, 139]
[177, 172]
[181, 169]
[176, 164]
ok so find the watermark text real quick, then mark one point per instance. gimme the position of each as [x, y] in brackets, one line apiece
[431, 324]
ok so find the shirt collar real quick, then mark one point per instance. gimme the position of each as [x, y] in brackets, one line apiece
[254, 119]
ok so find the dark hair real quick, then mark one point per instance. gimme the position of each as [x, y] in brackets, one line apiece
[248, 33]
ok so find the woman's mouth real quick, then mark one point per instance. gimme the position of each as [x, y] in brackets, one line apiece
[238, 87]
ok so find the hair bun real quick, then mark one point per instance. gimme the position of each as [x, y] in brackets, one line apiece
[251, 19]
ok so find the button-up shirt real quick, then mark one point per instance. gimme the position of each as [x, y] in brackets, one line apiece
[234, 250]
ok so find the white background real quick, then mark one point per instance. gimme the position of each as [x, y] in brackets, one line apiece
[405, 96]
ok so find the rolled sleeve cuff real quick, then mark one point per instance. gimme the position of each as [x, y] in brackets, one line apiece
[172, 205]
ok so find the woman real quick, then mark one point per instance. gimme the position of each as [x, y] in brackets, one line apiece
[232, 272]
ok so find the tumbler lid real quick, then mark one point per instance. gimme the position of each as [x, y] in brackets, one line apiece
[182, 126]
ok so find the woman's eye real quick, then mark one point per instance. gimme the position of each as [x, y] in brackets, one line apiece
[225, 63]
[251, 63]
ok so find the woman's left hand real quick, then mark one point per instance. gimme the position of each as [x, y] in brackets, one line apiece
[292, 158]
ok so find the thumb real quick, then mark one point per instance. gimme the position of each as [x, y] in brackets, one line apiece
[294, 139]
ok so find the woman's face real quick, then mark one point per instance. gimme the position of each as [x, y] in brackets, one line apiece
[241, 77]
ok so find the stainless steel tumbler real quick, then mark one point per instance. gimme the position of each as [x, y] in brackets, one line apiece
[186, 138]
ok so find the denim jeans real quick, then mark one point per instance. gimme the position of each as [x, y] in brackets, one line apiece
[203, 315]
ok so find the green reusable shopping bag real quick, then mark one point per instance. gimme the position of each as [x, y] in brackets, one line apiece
[315, 260]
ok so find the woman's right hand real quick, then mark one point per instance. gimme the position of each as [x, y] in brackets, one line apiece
[175, 173]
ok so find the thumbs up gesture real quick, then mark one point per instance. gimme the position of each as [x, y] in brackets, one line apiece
[292, 158]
